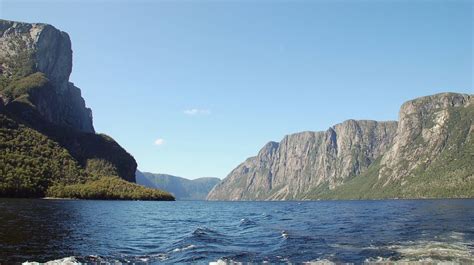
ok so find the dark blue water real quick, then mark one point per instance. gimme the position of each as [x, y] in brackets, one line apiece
[203, 232]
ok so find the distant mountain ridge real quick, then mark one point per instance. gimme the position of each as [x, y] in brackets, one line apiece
[181, 188]
[428, 153]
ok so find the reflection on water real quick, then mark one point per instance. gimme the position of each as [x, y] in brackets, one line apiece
[203, 232]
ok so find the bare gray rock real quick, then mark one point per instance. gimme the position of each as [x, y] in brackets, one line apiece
[303, 162]
[422, 133]
[429, 153]
[49, 50]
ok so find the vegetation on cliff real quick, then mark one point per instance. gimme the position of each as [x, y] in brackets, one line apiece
[449, 175]
[33, 165]
[46, 134]
[108, 188]
[30, 161]
[429, 154]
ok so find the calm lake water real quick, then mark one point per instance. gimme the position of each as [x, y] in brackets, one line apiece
[203, 232]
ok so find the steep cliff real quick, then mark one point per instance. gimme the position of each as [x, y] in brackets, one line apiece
[29, 50]
[432, 155]
[429, 153]
[303, 163]
[44, 117]
[425, 129]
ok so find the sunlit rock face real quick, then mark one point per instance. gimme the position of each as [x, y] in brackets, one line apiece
[427, 154]
[45, 49]
[306, 161]
[422, 133]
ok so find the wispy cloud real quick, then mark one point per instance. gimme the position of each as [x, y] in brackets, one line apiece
[159, 141]
[196, 112]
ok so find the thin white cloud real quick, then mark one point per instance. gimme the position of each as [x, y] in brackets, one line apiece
[159, 141]
[196, 112]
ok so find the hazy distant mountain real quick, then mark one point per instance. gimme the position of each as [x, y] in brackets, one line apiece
[429, 152]
[181, 188]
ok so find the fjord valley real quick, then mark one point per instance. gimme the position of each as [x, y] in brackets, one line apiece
[48, 143]
[290, 132]
[180, 188]
[50, 147]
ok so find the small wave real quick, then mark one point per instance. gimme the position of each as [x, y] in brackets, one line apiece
[93, 259]
[267, 216]
[77, 260]
[202, 236]
[457, 235]
[205, 234]
[319, 262]
[63, 261]
[135, 259]
[220, 262]
[203, 231]
[246, 222]
[184, 248]
[404, 261]
[232, 262]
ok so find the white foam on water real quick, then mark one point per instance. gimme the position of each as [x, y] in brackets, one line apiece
[457, 235]
[428, 252]
[222, 262]
[435, 249]
[184, 248]
[63, 261]
[428, 261]
[319, 262]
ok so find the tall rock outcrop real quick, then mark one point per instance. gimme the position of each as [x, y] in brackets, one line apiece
[46, 132]
[423, 132]
[28, 48]
[429, 153]
[304, 162]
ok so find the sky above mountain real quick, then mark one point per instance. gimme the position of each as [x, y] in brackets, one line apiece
[192, 88]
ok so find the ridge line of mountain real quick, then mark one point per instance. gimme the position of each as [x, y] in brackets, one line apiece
[358, 159]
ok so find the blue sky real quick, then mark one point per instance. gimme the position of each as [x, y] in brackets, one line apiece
[193, 88]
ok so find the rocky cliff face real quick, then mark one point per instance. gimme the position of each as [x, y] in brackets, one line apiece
[304, 162]
[29, 48]
[38, 99]
[428, 154]
[431, 157]
[422, 133]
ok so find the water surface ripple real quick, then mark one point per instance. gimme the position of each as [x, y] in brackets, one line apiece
[203, 232]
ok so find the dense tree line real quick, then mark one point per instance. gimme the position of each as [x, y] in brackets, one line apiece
[32, 165]
[30, 162]
[108, 188]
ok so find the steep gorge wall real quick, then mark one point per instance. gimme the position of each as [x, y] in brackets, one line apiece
[429, 153]
[303, 162]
